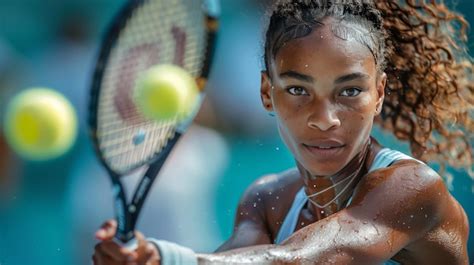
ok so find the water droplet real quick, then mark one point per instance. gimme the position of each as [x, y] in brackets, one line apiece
[277, 197]
[411, 216]
[408, 227]
[306, 66]
[426, 216]
[269, 193]
[322, 37]
[277, 148]
[259, 199]
[254, 204]
[302, 223]
[58, 249]
[403, 223]
[273, 208]
[322, 211]
[241, 213]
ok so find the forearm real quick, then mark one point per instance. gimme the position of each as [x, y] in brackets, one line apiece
[277, 254]
[172, 253]
[324, 242]
[308, 246]
[261, 254]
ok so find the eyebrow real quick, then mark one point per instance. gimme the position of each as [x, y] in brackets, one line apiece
[310, 79]
[350, 77]
[299, 76]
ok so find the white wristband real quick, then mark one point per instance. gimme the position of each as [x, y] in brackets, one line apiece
[174, 254]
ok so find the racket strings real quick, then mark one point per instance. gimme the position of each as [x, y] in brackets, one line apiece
[154, 34]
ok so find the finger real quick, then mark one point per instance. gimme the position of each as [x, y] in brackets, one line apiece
[146, 251]
[107, 230]
[96, 260]
[101, 259]
[115, 251]
[141, 248]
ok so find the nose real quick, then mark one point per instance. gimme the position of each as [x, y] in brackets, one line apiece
[323, 117]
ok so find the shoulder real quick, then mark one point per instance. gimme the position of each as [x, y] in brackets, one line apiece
[287, 181]
[271, 194]
[420, 205]
[407, 178]
[405, 173]
[252, 219]
[271, 187]
[408, 195]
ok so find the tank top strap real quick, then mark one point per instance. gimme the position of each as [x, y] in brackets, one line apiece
[289, 223]
[386, 157]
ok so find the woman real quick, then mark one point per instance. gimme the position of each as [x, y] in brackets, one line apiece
[331, 68]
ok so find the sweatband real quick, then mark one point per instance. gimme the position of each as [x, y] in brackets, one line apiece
[174, 254]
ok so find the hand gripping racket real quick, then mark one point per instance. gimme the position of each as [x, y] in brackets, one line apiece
[143, 34]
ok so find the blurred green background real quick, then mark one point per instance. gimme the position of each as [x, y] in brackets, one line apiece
[49, 211]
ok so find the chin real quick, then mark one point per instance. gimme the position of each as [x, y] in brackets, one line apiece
[321, 169]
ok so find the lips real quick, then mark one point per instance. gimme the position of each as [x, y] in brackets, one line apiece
[324, 149]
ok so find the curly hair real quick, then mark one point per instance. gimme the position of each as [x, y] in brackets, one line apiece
[422, 47]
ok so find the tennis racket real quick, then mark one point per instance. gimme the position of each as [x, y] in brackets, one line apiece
[143, 34]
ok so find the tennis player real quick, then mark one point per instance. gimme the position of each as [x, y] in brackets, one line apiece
[333, 68]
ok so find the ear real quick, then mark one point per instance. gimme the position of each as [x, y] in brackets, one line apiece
[266, 91]
[381, 83]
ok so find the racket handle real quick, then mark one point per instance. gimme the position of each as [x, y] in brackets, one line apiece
[132, 244]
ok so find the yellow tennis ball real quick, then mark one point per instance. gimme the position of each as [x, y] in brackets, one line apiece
[40, 124]
[166, 91]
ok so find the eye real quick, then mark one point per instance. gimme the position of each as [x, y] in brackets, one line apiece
[297, 91]
[350, 92]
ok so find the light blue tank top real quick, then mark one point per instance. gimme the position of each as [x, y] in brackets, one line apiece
[384, 158]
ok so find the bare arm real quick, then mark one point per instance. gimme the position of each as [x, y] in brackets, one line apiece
[391, 208]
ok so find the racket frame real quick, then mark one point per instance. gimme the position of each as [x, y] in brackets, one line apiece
[127, 214]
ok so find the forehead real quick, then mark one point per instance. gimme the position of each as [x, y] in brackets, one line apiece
[323, 51]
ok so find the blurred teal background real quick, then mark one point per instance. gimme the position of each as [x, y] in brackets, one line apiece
[49, 211]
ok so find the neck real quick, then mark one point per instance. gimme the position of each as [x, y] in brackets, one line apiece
[321, 190]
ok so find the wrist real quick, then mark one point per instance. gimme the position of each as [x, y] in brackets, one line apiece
[155, 258]
[169, 253]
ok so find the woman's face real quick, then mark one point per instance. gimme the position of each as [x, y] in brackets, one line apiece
[325, 93]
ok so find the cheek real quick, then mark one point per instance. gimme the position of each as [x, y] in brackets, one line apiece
[287, 105]
[357, 118]
[363, 104]
[287, 136]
